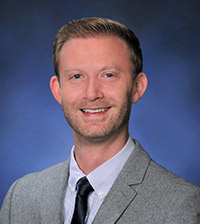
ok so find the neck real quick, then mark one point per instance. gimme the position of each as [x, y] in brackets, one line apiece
[90, 154]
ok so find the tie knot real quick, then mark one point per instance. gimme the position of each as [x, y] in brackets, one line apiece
[83, 187]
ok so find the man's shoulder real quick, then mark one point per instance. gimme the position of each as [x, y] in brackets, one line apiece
[171, 192]
[48, 178]
[165, 179]
[159, 177]
[156, 174]
[160, 194]
[47, 175]
[36, 193]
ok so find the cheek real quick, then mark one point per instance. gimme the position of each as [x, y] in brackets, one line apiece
[120, 92]
[72, 99]
[70, 93]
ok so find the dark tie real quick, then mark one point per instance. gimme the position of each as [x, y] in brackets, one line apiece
[83, 188]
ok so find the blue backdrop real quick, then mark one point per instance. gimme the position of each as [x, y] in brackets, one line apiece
[33, 131]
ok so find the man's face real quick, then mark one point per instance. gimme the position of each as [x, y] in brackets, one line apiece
[96, 86]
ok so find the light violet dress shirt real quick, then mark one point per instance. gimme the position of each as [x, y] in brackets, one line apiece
[101, 179]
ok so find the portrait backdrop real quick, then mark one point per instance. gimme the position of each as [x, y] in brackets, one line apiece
[33, 132]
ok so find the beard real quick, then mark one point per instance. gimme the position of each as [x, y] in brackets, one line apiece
[97, 131]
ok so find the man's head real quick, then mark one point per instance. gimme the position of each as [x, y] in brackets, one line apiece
[90, 27]
[94, 82]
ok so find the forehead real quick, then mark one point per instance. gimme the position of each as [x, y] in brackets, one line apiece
[99, 47]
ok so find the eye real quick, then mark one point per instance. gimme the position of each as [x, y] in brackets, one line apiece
[76, 76]
[109, 75]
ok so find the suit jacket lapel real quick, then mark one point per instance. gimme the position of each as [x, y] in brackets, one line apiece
[122, 192]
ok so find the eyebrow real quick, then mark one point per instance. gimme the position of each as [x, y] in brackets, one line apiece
[115, 67]
[71, 70]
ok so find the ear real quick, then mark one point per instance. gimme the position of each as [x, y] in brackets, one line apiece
[55, 88]
[140, 86]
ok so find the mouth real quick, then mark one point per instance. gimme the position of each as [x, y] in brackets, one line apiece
[95, 111]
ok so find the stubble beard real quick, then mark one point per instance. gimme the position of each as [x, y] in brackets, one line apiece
[116, 123]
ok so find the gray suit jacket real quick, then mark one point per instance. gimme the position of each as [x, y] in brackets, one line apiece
[143, 193]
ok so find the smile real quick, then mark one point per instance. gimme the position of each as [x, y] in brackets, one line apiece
[95, 111]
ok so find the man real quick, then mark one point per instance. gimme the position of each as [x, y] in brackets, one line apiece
[98, 67]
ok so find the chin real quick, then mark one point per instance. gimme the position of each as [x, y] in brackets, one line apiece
[97, 136]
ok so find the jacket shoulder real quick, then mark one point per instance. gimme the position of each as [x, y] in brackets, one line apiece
[161, 196]
[177, 199]
[164, 179]
[45, 176]
[35, 193]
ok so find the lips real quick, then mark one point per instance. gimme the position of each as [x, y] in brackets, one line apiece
[95, 111]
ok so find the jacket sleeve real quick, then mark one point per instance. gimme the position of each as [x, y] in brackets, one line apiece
[6, 207]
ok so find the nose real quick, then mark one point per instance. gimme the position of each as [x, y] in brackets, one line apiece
[93, 90]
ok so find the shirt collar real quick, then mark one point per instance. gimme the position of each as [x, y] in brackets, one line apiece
[103, 177]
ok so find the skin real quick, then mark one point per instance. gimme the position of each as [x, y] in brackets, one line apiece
[96, 91]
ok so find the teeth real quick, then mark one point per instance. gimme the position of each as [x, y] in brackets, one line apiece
[94, 111]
